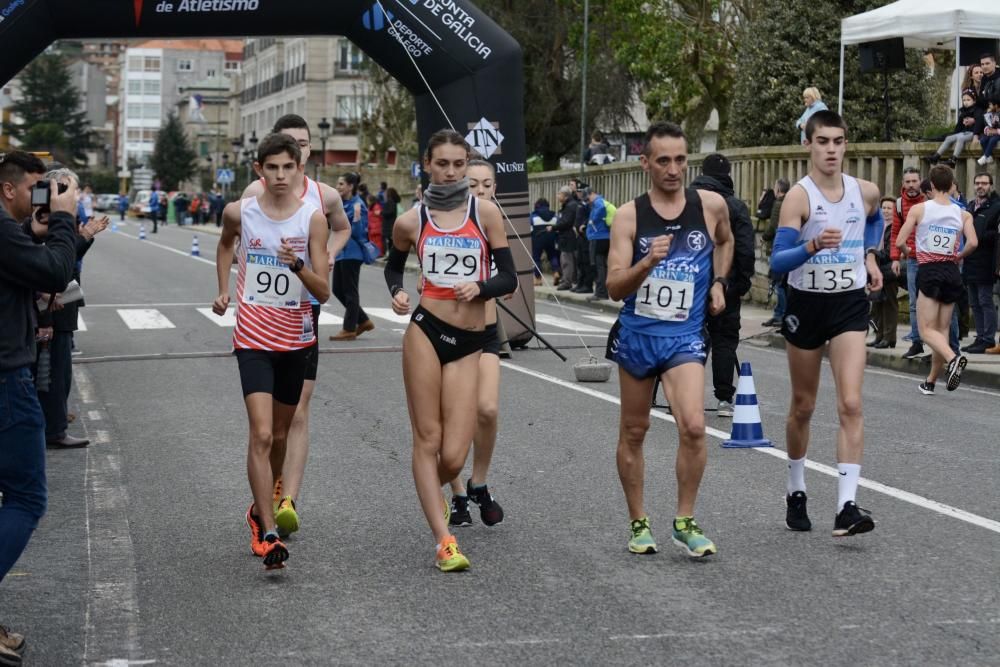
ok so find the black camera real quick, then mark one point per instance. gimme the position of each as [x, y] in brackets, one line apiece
[41, 195]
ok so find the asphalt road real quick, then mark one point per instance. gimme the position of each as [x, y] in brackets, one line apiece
[143, 557]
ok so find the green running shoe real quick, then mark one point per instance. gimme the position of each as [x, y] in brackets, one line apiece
[688, 536]
[641, 541]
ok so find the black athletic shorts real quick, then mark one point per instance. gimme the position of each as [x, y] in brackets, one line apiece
[492, 344]
[312, 361]
[280, 374]
[450, 343]
[941, 281]
[812, 319]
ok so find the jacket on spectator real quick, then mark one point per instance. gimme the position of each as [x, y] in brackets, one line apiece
[27, 268]
[989, 90]
[903, 206]
[884, 257]
[597, 227]
[565, 225]
[741, 275]
[976, 114]
[765, 204]
[542, 218]
[980, 266]
[66, 318]
[359, 231]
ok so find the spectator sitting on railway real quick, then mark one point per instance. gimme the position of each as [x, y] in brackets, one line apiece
[969, 126]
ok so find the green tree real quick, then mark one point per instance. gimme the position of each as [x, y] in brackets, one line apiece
[50, 113]
[551, 36]
[790, 46]
[683, 55]
[389, 120]
[173, 159]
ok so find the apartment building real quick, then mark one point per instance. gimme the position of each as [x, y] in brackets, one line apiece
[315, 77]
[156, 76]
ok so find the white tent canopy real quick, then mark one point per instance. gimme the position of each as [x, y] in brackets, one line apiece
[923, 24]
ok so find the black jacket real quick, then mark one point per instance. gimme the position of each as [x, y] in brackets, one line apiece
[565, 224]
[980, 266]
[741, 275]
[26, 268]
[989, 90]
[976, 114]
[65, 319]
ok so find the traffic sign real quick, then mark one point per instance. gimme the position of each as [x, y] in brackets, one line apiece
[224, 176]
[415, 170]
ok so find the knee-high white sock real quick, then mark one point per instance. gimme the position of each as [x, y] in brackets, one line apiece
[796, 475]
[847, 483]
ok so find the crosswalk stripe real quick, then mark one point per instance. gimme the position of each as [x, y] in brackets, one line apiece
[554, 321]
[145, 318]
[80, 324]
[607, 319]
[326, 318]
[387, 314]
[227, 320]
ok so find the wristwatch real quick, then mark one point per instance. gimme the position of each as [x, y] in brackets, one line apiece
[297, 265]
[723, 281]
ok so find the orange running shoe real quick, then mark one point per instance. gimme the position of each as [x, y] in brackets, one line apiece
[275, 552]
[449, 557]
[256, 532]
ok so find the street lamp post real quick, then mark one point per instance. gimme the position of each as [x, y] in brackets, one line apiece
[324, 134]
[251, 154]
[583, 97]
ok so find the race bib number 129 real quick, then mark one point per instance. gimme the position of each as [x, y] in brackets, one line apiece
[452, 264]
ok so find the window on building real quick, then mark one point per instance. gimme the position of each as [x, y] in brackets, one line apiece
[232, 66]
[133, 135]
[151, 64]
[151, 87]
[185, 65]
[150, 110]
[135, 87]
[135, 63]
[133, 110]
[350, 57]
[203, 148]
[210, 72]
[352, 107]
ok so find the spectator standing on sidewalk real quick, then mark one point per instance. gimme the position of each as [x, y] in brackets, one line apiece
[885, 302]
[154, 209]
[599, 239]
[543, 239]
[584, 269]
[25, 268]
[778, 281]
[724, 328]
[390, 209]
[979, 268]
[909, 196]
[565, 229]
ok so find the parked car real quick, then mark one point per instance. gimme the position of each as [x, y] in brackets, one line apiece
[140, 205]
[106, 202]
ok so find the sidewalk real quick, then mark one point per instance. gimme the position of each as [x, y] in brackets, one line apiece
[983, 370]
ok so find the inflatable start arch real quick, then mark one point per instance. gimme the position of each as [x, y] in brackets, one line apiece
[463, 70]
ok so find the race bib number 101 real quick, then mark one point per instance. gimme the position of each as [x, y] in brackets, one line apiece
[269, 283]
[667, 300]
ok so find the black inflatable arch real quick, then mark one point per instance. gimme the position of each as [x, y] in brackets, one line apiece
[445, 52]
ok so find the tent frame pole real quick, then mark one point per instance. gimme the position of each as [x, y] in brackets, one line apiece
[958, 80]
[840, 92]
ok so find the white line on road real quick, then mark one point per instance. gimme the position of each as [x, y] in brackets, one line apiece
[145, 318]
[80, 324]
[102, 437]
[554, 321]
[94, 415]
[899, 494]
[326, 318]
[173, 250]
[227, 320]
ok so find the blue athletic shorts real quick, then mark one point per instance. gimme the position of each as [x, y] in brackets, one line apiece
[643, 356]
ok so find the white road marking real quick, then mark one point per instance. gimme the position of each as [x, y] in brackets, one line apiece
[387, 314]
[552, 320]
[899, 494]
[607, 319]
[145, 318]
[102, 437]
[210, 262]
[227, 320]
[326, 318]
[80, 324]
[94, 415]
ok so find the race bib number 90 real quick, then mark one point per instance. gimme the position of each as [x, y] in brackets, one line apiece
[662, 298]
[452, 261]
[269, 283]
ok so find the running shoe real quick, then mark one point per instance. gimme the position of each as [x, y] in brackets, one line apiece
[256, 532]
[11, 640]
[926, 388]
[460, 511]
[954, 369]
[449, 556]
[690, 538]
[796, 517]
[9, 657]
[274, 552]
[852, 520]
[641, 541]
[916, 350]
[277, 493]
[489, 509]
[286, 518]
[725, 409]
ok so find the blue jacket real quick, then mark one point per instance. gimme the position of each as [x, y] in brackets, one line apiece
[597, 228]
[359, 230]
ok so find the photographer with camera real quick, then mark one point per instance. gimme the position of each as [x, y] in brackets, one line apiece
[57, 321]
[25, 268]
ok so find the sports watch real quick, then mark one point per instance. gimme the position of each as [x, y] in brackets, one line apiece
[297, 265]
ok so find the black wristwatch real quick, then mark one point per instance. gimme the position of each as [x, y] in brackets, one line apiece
[297, 265]
[724, 282]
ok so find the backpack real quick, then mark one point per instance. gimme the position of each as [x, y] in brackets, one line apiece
[609, 212]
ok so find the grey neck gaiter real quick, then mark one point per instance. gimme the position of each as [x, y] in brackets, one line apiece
[447, 197]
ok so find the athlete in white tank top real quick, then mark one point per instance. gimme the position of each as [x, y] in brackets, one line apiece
[839, 269]
[938, 233]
